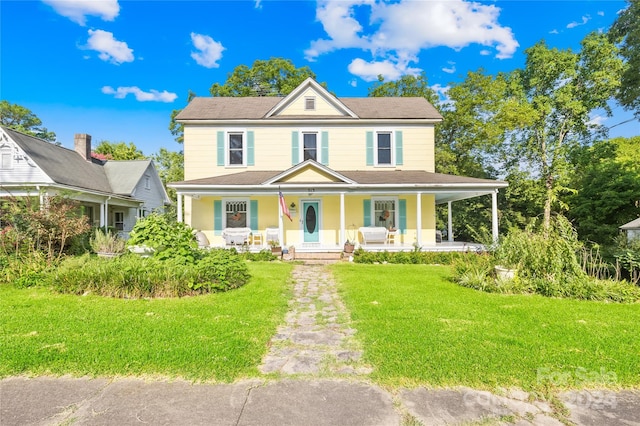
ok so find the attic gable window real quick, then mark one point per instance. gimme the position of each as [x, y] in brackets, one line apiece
[309, 103]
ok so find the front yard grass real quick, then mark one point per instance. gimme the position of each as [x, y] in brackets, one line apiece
[418, 328]
[217, 337]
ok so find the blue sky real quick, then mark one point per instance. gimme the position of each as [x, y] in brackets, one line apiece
[116, 69]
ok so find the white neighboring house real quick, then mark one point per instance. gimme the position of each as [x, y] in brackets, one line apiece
[111, 193]
[632, 229]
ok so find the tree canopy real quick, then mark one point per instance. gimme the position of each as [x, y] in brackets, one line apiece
[19, 118]
[626, 31]
[119, 151]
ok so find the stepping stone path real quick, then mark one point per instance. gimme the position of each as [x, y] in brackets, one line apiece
[316, 339]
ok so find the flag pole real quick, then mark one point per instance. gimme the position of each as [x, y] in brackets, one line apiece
[280, 221]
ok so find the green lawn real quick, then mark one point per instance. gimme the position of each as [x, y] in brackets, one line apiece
[419, 328]
[217, 337]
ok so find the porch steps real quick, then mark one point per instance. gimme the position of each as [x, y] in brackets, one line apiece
[310, 255]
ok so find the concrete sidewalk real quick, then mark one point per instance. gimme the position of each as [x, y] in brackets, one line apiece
[65, 401]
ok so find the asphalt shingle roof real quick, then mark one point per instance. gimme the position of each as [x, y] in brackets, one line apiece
[255, 108]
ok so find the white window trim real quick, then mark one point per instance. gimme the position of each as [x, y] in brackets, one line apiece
[224, 210]
[318, 133]
[115, 221]
[396, 214]
[392, 147]
[227, 147]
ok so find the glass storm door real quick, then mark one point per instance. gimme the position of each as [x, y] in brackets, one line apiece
[311, 221]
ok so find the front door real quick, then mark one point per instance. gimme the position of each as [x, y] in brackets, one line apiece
[311, 221]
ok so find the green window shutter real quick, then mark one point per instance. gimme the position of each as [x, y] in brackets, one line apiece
[369, 148]
[220, 148]
[399, 148]
[295, 155]
[217, 217]
[366, 205]
[253, 219]
[402, 212]
[250, 149]
[324, 148]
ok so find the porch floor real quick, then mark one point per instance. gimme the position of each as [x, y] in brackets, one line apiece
[445, 246]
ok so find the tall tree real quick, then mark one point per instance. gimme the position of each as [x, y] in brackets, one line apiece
[19, 118]
[608, 177]
[558, 90]
[626, 31]
[119, 151]
[170, 167]
[273, 77]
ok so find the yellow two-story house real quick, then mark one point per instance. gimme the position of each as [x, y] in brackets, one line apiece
[312, 171]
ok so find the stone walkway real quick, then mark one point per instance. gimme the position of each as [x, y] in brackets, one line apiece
[316, 339]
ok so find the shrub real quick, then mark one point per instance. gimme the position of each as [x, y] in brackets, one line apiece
[106, 242]
[170, 239]
[131, 276]
[265, 255]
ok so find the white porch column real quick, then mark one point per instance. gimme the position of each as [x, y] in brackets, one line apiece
[419, 218]
[280, 224]
[494, 215]
[180, 219]
[103, 214]
[342, 220]
[449, 223]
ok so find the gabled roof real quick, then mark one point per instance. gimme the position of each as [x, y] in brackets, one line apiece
[125, 175]
[266, 108]
[310, 83]
[634, 224]
[319, 170]
[64, 166]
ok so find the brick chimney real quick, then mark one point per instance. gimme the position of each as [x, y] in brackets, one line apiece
[82, 143]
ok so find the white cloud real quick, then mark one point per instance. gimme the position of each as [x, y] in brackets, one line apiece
[554, 31]
[451, 69]
[485, 52]
[109, 48]
[442, 92]
[78, 10]
[585, 19]
[597, 120]
[600, 13]
[209, 50]
[395, 33]
[406, 27]
[389, 69]
[151, 96]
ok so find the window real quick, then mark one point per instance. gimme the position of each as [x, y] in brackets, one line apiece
[118, 220]
[310, 146]
[147, 182]
[6, 158]
[309, 103]
[384, 213]
[383, 148]
[235, 214]
[236, 149]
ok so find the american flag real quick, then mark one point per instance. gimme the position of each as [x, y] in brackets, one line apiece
[285, 209]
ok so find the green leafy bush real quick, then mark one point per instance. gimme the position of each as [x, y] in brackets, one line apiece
[547, 262]
[408, 257]
[170, 239]
[265, 255]
[131, 276]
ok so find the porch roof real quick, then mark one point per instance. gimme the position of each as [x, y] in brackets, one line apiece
[445, 187]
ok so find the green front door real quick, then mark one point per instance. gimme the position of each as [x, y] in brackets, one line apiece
[311, 221]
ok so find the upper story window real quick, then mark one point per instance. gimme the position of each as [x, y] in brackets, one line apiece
[309, 146]
[384, 149]
[235, 214]
[147, 182]
[309, 103]
[236, 149]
